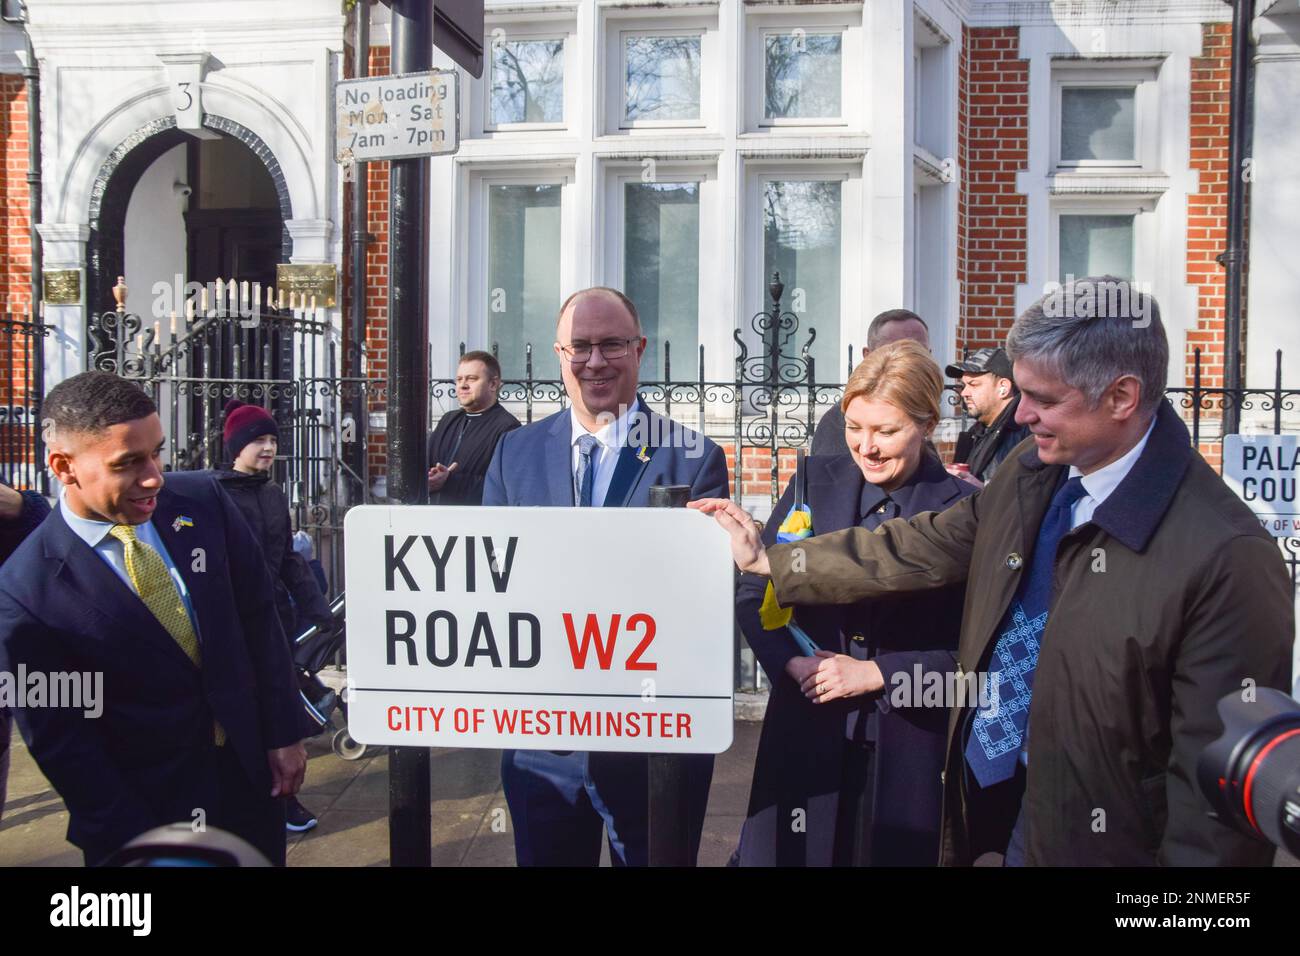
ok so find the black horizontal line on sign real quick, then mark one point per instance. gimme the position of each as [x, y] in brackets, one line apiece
[533, 693]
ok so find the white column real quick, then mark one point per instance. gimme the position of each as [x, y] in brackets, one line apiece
[311, 240]
[1274, 282]
[63, 247]
[888, 174]
[1273, 293]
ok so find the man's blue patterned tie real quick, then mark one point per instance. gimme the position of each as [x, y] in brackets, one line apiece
[995, 742]
[586, 469]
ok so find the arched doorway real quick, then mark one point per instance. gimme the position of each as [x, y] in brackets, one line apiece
[174, 213]
[234, 216]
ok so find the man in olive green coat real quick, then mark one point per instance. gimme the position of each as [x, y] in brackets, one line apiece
[1165, 595]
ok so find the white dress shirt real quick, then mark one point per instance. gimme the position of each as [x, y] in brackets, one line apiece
[604, 457]
[96, 535]
[1102, 482]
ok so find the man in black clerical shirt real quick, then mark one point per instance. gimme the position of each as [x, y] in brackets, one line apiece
[461, 447]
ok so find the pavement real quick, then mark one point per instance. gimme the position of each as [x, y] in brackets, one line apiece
[470, 821]
[471, 825]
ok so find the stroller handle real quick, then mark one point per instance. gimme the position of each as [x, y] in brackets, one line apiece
[336, 611]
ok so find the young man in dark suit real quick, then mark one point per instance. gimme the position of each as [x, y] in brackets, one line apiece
[21, 513]
[160, 589]
[608, 450]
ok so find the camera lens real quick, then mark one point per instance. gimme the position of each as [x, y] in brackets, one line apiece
[1251, 774]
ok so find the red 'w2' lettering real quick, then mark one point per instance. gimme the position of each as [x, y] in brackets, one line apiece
[591, 634]
[634, 662]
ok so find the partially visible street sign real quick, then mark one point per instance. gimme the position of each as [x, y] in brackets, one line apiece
[539, 628]
[458, 32]
[1264, 470]
[397, 117]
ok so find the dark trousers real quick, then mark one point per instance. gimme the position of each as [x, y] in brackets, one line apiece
[857, 801]
[992, 812]
[246, 811]
[5, 731]
[560, 807]
[214, 782]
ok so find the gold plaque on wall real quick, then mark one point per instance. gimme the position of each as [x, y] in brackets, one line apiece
[62, 287]
[307, 280]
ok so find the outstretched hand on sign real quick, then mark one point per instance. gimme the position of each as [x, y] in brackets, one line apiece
[746, 545]
[439, 474]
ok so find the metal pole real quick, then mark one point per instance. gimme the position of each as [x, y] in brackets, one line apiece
[409, 823]
[775, 289]
[32, 76]
[1233, 258]
[668, 797]
[359, 405]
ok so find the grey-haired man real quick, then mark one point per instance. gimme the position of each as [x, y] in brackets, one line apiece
[1113, 582]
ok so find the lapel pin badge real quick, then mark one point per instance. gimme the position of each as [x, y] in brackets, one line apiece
[644, 454]
[182, 521]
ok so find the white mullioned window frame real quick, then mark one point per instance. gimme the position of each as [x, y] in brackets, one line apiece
[530, 33]
[555, 24]
[617, 24]
[1144, 230]
[1139, 76]
[849, 330]
[853, 68]
[618, 175]
[767, 34]
[477, 295]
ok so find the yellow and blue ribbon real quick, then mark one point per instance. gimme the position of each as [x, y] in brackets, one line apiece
[796, 527]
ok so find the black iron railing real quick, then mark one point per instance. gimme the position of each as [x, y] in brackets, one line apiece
[287, 361]
[22, 376]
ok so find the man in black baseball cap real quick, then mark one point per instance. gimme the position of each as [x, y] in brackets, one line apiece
[990, 395]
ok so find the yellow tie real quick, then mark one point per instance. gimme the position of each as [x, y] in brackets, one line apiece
[153, 582]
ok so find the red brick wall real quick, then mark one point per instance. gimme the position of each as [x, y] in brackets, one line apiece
[15, 249]
[992, 146]
[757, 471]
[1207, 209]
[15, 197]
[376, 291]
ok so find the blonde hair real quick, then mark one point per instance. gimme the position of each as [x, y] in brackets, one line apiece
[903, 374]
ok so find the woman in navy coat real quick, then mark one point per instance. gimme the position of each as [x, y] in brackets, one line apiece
[852, 747]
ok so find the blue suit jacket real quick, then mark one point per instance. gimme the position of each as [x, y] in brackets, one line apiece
[533, 465]
[140, 763]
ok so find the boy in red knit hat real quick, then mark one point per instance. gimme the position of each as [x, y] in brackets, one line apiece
[252, 438]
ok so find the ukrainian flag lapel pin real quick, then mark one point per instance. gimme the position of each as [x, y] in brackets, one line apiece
[644, 454]
[182, 521]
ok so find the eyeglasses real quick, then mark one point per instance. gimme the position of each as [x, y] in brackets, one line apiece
[610, 349]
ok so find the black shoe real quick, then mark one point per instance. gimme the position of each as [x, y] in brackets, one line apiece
[297, 817]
